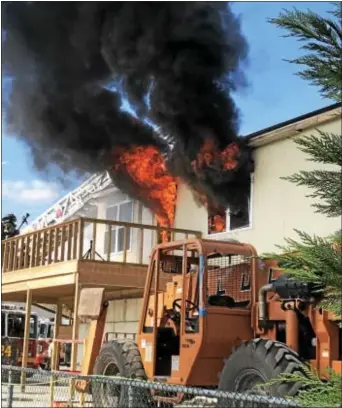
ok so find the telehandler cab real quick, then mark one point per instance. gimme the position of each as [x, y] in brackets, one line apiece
[213, 314]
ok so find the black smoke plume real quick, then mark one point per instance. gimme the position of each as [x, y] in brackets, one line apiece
[176, 62]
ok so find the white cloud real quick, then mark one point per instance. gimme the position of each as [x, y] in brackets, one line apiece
[29, 192]
[4, 163]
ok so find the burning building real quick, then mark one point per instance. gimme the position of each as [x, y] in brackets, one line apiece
[176, 64]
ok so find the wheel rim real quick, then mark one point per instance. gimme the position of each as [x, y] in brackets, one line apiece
[248, 381]
[111, 392]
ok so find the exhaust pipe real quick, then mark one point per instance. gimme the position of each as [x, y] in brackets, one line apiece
[263, 304]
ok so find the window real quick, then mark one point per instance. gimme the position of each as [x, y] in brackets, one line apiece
[50, 331]
[33, 327]
[3, 324]
[225, 220]
[16, 325]
[118, 212]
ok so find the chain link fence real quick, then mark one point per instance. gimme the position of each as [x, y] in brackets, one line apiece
[36, 388]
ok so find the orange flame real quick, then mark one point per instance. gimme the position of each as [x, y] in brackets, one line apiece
[216, 220]
[224, 160]
[209, 156]
[219, 223]
[146, 167]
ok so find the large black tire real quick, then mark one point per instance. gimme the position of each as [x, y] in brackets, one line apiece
[259, 361]
[123, 359]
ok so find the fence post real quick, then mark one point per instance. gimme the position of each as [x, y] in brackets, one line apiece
[10, 390]
[130, 397]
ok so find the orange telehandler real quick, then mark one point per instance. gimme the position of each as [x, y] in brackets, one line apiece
[214, 314]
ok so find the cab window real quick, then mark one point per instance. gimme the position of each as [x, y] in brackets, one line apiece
[3, 324]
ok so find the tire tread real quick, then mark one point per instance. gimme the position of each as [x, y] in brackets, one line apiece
[128, 358]
[278, 356]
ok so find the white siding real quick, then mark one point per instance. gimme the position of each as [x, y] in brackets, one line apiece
[279, 206]
[122, 317]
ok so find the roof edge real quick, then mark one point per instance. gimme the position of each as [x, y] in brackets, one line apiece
[294, 126]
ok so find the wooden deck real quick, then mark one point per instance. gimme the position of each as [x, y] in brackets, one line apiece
[52, 261]
[52, 265]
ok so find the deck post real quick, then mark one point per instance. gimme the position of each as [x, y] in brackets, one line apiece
[55, 349]
[75, 324]
[26, 338]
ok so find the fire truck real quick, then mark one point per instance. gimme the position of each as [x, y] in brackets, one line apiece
[12, 337]
[44, 342]
[44, 346]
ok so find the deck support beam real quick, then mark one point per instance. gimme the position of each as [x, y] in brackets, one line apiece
[55, 349]
[26, 338]
[75, 329]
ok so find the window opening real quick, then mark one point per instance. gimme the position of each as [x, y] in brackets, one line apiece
[225, 220]
[16, 325]
[3, 324]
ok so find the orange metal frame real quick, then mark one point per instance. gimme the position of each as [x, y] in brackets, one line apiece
[201, 354]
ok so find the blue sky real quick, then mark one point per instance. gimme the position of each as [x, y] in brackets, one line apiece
[274, 94]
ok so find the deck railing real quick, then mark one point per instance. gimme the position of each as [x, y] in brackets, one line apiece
[86, 239]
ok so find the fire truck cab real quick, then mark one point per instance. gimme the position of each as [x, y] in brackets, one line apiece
[12, 335]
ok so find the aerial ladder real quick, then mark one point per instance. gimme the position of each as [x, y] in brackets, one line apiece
[71, 203]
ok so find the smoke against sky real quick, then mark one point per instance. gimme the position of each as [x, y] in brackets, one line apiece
[186, 56]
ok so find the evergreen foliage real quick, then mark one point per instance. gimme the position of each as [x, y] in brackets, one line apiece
[314, 392]
[323, 40]
[318, 261]
[314, 259]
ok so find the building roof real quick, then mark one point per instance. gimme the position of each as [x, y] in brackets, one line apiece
[295, 125]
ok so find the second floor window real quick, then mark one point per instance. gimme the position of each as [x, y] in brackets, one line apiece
[225, 221]
[118, 212]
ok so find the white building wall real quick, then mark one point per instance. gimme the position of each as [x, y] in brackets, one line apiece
[278, 206]
[122, 317]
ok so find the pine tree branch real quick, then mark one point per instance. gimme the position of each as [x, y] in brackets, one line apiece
[307, 25]
[313, 391]
[315, 260]
[327, 187]
[323, 38]
[322, 148]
